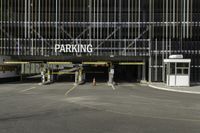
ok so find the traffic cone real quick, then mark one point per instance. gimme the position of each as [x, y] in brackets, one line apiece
[94, 82]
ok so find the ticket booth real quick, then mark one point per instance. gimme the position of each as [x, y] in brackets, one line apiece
[177, 72]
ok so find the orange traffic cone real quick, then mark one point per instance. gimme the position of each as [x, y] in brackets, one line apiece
[94, 82]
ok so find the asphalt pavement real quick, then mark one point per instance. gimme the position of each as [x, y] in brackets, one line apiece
[125, 108]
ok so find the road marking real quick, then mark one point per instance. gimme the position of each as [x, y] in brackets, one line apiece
[28, 89]
[113, 87]
[143, 84]
[127, 85]
[70, 90]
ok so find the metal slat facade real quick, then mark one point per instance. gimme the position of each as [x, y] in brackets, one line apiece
[138, 28]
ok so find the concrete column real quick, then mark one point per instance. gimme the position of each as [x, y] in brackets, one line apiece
[22, 68]
[49, 76]
[76, 77]
[163, 73]
[111, 76]
[43, 71]
[81, 76]
[144, 72]
[43, 76]
[150, 69]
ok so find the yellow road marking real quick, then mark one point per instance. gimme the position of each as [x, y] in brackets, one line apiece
[70, 90]
[28, 89]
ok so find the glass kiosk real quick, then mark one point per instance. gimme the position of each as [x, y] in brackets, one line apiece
[177, 72]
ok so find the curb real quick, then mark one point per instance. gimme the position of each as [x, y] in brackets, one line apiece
[173, 90]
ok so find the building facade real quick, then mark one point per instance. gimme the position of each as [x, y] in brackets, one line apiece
[128, 30]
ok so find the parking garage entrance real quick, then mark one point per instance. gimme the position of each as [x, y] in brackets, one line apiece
[129, 72]
[123, 72]
[99, 72]
[102, 71]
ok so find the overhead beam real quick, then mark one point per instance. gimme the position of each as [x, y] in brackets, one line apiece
[59, 63]
[131, 63]
[15, 62]
[95, 63]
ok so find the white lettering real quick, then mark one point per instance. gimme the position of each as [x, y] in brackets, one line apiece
[77, 48]
[74, 48]
[62, 48]
[89, 48]
[57, 47]
[68, 48]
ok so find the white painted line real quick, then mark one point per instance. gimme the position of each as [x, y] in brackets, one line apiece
[70, 90]
[143, 84]
[28, 89]
[128, 85]
[39, 83]
[173, 90]
[113, 87]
